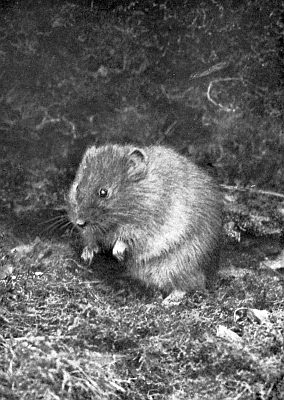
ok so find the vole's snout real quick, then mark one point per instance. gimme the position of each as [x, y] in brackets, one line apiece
[80, 222]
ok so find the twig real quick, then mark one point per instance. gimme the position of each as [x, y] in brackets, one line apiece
[214, 68]
[177, 96]
[170, 128]
[266, 192]
[208, 93]
[47, 119]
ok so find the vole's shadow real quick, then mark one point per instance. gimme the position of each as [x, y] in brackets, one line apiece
[105, 271]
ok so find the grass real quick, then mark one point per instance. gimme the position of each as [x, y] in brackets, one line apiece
[207, 82]
[67, 333]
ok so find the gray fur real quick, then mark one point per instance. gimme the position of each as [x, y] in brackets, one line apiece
[162, 208]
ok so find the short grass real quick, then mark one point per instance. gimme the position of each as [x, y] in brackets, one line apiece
[69, 331]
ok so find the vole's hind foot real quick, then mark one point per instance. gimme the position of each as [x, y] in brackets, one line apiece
[119, 250]
[175, 298]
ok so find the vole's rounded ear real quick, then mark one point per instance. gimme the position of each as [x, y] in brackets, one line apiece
[137, 164]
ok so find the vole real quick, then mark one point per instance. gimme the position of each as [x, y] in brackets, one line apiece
[158, 212]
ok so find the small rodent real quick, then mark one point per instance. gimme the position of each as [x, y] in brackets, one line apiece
[157, 211]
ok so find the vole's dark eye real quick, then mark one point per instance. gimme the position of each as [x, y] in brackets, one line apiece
[103, 193]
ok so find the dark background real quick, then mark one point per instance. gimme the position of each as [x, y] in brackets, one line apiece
[204, 77]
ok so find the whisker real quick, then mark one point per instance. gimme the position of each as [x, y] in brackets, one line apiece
[64, 226]
[58, 218]
[57, 224]
[72, 230]
[102, 230]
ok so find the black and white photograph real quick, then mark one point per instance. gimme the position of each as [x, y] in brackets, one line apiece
[141, 200]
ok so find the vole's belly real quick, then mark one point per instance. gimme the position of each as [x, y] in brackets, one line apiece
[93, 239]
[106, 242]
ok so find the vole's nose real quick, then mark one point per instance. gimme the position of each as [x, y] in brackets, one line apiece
[81, 222]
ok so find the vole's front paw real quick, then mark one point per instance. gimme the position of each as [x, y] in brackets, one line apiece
[88, 254]
[119, 250]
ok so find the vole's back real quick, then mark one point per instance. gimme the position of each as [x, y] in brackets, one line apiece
[189, 206]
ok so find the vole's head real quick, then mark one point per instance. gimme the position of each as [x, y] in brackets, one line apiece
[107, 189]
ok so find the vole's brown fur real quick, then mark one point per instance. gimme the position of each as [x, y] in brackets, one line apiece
[160, 208]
